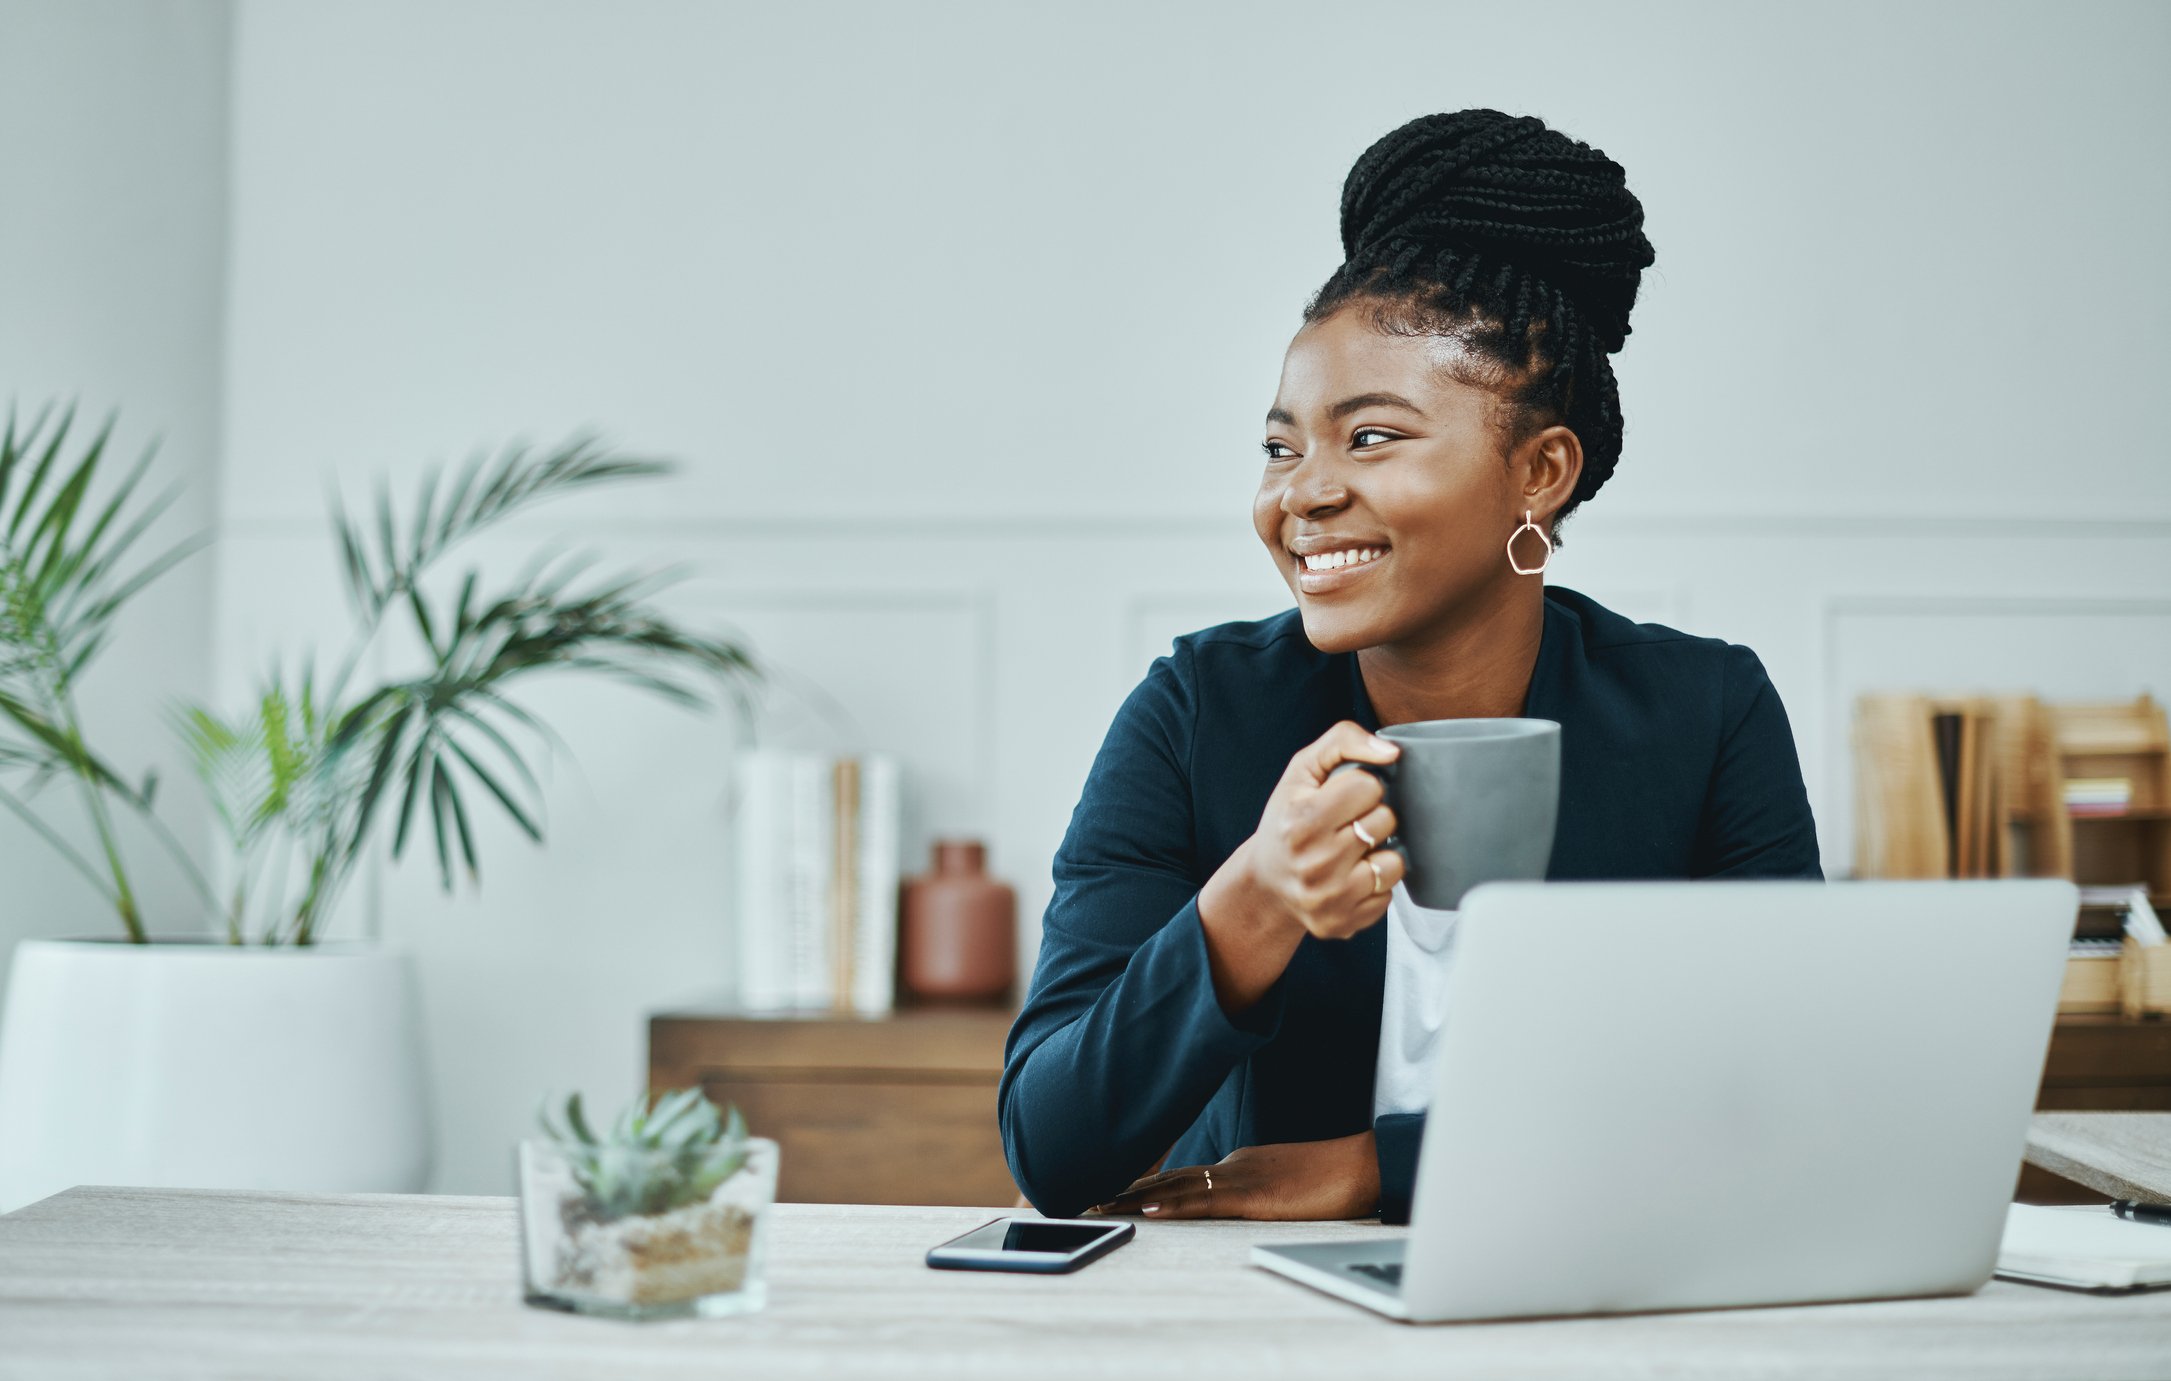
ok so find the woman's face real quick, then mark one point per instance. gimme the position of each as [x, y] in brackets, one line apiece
[1390, 476]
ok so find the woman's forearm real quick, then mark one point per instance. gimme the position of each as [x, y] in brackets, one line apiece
[1095, 1089]
[1249, 938]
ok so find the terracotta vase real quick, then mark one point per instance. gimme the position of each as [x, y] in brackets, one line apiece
[959, 929]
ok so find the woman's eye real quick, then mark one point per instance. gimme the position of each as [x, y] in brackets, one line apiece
[1275, 450]
[1380, 435]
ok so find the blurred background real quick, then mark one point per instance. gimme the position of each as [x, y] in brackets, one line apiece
[960, 320]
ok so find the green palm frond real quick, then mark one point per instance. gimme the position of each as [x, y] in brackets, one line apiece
[316, 771]
[259, 768]
[68, 564]
[433, 738]
[61, 561]
[272, 782]
[50, 745]
[380, 568]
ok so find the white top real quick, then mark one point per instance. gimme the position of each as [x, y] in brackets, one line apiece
[1420, 947]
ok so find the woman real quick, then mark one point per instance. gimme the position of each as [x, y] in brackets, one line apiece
[1211, 974]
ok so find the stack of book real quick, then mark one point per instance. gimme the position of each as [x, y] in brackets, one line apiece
[815, 863]
[2098, 795]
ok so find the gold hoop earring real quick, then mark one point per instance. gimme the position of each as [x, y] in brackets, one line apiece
[1529, 526]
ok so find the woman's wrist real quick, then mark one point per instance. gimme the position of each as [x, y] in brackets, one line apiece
[1249, 938]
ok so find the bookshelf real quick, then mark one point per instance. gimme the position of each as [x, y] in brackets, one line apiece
[2013, 786]
[2109, 820]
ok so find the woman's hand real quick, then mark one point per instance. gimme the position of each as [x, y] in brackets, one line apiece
[1337, 1178]
[1306, 870]
[1308, 856]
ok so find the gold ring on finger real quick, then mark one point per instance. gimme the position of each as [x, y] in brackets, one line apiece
[1369, 841]
[1377, 886]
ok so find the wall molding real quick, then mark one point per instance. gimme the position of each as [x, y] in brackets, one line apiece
[1838, 607]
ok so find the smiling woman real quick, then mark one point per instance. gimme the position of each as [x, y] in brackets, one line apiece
[1203, 1033]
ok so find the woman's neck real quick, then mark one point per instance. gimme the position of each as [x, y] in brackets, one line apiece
[1475, 664]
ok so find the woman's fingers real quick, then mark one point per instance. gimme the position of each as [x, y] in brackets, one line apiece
[1334, 1178]
[1188, 1200]
[1345, 796]
[1346, 741]
[1142, 1189]
[1390, 870]
[1180, 1194]
[1375, 825]
[1321, 823]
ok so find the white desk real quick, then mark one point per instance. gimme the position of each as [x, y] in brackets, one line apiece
[141, 1283]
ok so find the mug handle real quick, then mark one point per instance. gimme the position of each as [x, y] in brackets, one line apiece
[1385, 771]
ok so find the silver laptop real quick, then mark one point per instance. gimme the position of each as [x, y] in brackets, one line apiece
[1693, 1095]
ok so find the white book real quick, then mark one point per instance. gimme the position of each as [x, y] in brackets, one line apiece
[874, 931]
[760, 926]
[809, 861]
[2142, 922]
[2087, 1248]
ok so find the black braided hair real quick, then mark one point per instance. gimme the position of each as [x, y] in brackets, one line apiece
[1519, 242]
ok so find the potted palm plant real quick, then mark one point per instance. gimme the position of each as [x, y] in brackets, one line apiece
[246, 1048]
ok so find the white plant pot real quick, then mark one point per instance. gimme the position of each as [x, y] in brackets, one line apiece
[186, 1064]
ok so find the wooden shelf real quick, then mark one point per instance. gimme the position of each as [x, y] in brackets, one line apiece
[2124, 739]
[895, 1109]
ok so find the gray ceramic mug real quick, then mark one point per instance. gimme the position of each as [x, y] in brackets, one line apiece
[1474, 800]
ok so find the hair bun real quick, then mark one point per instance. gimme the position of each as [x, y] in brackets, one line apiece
[1454, 191]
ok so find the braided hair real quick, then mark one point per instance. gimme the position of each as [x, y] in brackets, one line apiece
[1520, 243]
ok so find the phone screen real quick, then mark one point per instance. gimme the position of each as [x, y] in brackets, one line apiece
[1037, 1245]
[1051, 1237]
[1055, 1239]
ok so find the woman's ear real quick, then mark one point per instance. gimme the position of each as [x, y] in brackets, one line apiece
[1549, 464]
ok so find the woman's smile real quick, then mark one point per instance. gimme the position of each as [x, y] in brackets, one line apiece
[1327, 569]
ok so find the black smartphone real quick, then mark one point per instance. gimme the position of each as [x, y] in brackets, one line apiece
[1047, 1245]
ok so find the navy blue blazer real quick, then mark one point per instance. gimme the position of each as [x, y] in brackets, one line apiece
[1676, 762]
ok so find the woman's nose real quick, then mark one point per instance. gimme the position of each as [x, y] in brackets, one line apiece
[1312, 495]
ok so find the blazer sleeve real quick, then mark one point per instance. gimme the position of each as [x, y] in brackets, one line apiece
[1121, 1043]
[1756, 823]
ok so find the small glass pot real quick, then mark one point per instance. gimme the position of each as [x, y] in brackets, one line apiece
[702, 1258]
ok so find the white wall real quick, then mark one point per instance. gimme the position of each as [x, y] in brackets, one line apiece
[962, 318]
[112, 293]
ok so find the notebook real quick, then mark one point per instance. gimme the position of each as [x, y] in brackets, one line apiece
[2085, 1248]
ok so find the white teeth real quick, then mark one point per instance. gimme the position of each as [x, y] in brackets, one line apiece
[1335, 560]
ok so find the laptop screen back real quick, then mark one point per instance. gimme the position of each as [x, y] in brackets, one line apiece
[1677, 1095]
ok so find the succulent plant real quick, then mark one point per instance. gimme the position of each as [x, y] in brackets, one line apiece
[654, 1157]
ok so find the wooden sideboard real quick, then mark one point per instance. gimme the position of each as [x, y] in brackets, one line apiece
[901, 1109]
[2098, 1064]
[865, 1110]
